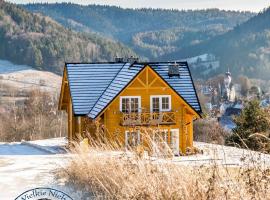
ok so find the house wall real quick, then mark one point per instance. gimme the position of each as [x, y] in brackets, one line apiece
[145, 85]
[74, 122]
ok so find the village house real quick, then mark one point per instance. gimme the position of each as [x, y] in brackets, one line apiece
[126, 97]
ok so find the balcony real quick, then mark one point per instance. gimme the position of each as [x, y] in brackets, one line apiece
[148, 118]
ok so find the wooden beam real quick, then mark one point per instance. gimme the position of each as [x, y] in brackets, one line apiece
[136, 88]
[153, 82]
[147, 78]
[141, 82]
[64, 80]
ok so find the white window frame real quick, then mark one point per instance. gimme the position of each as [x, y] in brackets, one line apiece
[138, 136]
[123, 97]
[160, 102]
[174, 144]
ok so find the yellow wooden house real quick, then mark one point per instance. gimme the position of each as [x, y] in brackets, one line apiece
[126, 97]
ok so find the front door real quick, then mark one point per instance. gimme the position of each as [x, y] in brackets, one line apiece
[175, 141]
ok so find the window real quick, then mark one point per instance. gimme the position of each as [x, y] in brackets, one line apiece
[160, 103]
[130, 104]
[132, 138]
[155, 104]
[165, 103]
[172, 139]
[161, 136]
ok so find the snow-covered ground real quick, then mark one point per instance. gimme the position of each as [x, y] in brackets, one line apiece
[24, 77]
[24, 166]
[27, 165]
[232, 156]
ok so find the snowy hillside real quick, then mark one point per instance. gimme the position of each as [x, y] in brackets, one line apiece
[23, 77]
[203, 64]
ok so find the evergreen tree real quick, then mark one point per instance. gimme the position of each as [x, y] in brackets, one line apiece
[251, 128]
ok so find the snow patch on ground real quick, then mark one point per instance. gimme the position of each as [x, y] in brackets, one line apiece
[26, 166]
[51, 146]
[226, 155]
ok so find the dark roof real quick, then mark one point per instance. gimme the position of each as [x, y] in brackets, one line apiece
[232, 111]
[94, 85]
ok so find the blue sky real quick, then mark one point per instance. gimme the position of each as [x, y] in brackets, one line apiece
[250, 5]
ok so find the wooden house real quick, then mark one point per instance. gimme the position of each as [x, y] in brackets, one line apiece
[126, 97]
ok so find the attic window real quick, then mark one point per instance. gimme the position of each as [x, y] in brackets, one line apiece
[173, 70]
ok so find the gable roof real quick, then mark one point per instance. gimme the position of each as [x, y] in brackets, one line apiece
[94, 85]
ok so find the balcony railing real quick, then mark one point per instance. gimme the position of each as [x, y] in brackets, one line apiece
[148, 118]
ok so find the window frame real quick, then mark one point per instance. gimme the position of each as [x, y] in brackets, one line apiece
[138, 137]
[160, 102]
[174, 140]
[130, 97]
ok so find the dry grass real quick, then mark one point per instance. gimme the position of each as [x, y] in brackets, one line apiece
[35, 117]
[107, 173]
[206, 130]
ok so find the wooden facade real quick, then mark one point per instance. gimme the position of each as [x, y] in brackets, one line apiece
[145, 88]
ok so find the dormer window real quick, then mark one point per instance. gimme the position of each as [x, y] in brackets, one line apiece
[130, 104]
[160, 103]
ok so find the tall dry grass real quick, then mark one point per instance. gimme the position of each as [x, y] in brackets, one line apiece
[210, 131]
[105, 171]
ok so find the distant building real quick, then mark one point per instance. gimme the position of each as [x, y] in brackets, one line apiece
[265, 102]
[226, 120]
[227, 88]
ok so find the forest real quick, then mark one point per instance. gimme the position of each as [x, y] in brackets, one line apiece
[40, 42]
[244, 50]
[149, 32]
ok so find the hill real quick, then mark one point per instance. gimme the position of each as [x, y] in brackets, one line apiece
[39, 41]
[244, 50]
[23, 78]
[150, 32]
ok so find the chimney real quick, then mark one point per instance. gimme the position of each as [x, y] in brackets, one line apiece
[132, 60]
[119, 59]
[173, 70]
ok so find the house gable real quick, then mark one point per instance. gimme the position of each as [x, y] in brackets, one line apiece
[146, 79]
[149, 80]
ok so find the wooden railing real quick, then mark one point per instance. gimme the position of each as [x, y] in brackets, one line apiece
[148, 118]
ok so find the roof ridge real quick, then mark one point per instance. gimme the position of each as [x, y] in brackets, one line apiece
[107, 87]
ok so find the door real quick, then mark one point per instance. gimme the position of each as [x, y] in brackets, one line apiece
[175, 141]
